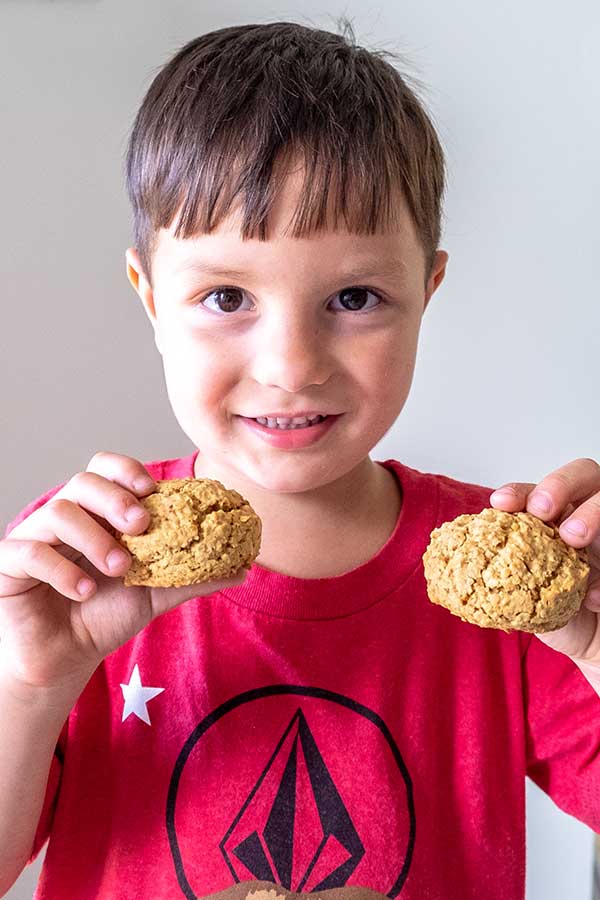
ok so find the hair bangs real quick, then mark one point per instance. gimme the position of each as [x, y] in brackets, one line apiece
[238, 110]
[335, 193]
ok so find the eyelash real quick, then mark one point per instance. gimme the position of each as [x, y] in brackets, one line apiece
[354, 287]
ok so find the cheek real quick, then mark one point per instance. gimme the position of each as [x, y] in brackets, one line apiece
[198, 369]
[389, 372]
[388, 368]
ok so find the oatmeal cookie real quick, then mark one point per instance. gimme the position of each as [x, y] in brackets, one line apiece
[267, 890]
[505, 570]
[199, 531]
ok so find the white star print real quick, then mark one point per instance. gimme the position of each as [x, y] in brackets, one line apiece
[136, 697]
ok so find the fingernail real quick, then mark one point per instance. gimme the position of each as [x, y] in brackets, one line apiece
[116, 559]
[143, 483]
[85, 586]
[134, 513]
[576, 527]
[540, 502]
[506, 493]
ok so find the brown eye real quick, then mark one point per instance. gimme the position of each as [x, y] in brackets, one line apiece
[224, 300]
[356, 299]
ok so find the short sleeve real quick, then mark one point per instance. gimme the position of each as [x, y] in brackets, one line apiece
[562, 713]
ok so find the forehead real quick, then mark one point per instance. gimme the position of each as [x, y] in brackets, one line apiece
[327, 246]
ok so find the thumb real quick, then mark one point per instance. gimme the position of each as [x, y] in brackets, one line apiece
[163, 599]
[579, 638]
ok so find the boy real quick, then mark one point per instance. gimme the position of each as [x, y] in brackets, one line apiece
[316, 724]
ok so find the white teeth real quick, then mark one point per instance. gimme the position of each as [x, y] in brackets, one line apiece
[290, 423]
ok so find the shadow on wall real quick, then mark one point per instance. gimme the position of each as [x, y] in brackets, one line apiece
[596, 887]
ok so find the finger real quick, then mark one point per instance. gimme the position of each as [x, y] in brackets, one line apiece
[579, 638]
[572, 483]
[124, 470]
[511, 497]
[108, 500]
[592, 598]
[593, 552]
[24, 564]
[61, 521]
[164, 599]
[583, 526]
[570, 507]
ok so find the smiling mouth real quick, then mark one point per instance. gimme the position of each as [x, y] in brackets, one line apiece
[282, 424]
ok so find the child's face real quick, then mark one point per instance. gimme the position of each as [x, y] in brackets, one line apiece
[282, 333]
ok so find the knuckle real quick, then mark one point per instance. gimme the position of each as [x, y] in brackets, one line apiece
[61, 568]
[34, 552]
[99, 459]
[594, 503]
[59, 507]
[77, 479]
[558, 479]
[117, 467]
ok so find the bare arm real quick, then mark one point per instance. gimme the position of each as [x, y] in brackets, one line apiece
[52, 638]
[30, 724]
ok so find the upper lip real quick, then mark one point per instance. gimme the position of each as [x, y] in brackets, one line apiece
[291, 415]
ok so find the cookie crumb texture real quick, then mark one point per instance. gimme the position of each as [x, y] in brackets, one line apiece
[199, 531]
[505, 570]
[264, 895]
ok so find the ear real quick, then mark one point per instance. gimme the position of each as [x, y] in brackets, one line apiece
[437, 275]
[143, 289]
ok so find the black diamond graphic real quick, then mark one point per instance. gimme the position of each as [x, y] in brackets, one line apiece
[264, 836]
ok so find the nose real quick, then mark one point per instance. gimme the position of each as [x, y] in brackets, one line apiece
[291, 353]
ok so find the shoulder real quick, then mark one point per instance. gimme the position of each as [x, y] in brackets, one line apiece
[159, 469]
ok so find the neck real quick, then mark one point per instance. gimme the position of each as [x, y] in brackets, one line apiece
[323, 532]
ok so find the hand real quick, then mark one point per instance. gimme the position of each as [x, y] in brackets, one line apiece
[50, 634]
[572, 495]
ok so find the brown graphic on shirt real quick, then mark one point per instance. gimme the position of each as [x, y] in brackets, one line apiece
[265, 890]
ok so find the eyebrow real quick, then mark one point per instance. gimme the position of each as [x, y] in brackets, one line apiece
[359, 270]
[206, 268]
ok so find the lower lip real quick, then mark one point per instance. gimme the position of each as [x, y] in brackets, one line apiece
[292, 438]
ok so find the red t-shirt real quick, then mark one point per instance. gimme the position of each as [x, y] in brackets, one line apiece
[318, 733]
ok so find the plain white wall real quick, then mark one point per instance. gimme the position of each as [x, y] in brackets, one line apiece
[507, 374]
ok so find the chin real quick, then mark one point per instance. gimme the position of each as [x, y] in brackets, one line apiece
[294, 475]
[284, 483]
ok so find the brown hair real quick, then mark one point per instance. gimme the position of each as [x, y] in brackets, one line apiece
[232, 104]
